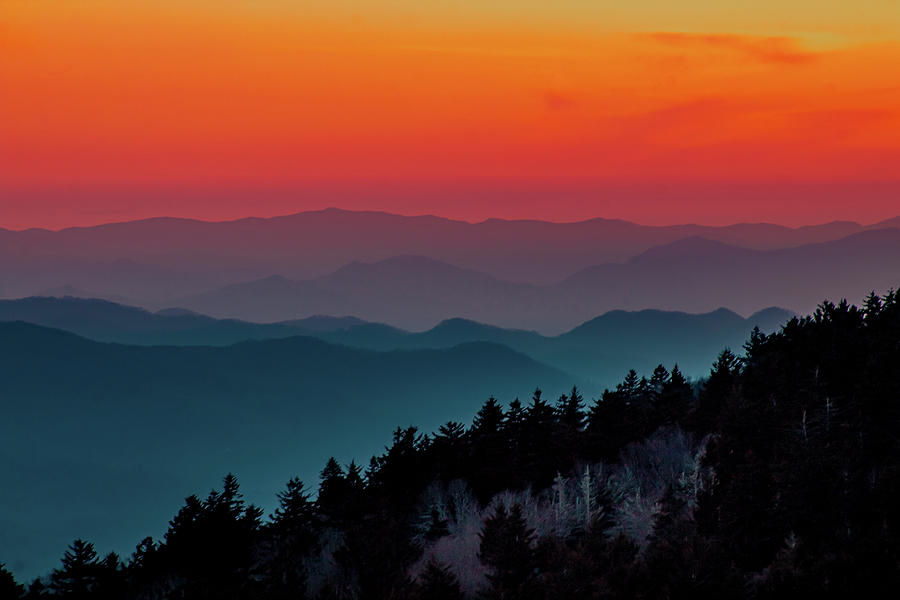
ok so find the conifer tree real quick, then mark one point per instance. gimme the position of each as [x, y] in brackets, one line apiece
[507, 549]
[514, 432]
[719, 386]
[78, 576]
[659, 379]
[292, 535]
[630, 385]
[333, 490]
[487, 472]
[570, 411]
[674, 399]
[437, 582]
[9, 588]
[489, 418]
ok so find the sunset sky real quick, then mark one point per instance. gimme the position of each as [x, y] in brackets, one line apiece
[649, 110]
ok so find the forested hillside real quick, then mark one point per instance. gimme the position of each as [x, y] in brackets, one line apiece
[778, 477]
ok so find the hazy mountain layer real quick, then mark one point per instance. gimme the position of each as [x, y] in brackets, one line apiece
[692, 275]
[112, 427]
[600, 350]
[160, 258]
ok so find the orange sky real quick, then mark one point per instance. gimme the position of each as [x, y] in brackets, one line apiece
[115, 109]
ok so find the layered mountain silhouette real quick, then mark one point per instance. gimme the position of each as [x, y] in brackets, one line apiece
[106, 321]
[162, 258]
[692, 275]
[123, 430]
[600, 350]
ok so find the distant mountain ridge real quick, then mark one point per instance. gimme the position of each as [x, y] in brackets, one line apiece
[155, 259]
[599, 350]
[693, 275]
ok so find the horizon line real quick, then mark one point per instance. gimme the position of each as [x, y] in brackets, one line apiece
[442, 218]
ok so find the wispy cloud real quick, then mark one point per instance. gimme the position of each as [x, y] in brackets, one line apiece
[775, 50]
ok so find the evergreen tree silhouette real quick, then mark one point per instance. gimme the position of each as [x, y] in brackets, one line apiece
[570, 411]
[540, 446]
[437, 582]
[489, 418]
[506, 549]
[673, 402]
[629, 387]
[514, 433]
[9, 588]
[292, 534]
[719, 386]
[78, 576]
[449, 449]
[210, 544]
[333, 490]
[489, 450]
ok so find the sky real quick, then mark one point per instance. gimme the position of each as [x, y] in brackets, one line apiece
[648, 110]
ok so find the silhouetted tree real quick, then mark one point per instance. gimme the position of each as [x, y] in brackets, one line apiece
[487, 473]
[570, 411]
[9, 588]
[506, 548]
[291, 536]
[78, 576]
[437, 582]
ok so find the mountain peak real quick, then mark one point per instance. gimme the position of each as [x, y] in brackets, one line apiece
[694, 246]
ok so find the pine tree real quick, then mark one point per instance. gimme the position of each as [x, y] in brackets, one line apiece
[295, 512]
[78, 576]
[714, 395]
[9, 588]
[514, 431]
[333, 490]
[489, 418]
[570, 411]
[674, 399]
[629, 386]
[209, 544]
[292, 535]
[540, 448]
[659, 378]
[450, 450]
[507, 550]
[437, 582]
[487, 471]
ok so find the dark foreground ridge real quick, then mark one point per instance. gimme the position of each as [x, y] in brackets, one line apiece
[776, 478]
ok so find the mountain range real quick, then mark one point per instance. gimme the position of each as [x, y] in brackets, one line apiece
[600, 350]
[692, 275]
[162, 258]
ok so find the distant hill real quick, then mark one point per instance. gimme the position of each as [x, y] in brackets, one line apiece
[124, 426]
[692, 275]
[602, 349]
[411, 292]
[599, 350]
[697, 274]
[160, 258]
[106, 321]
[110, 322]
